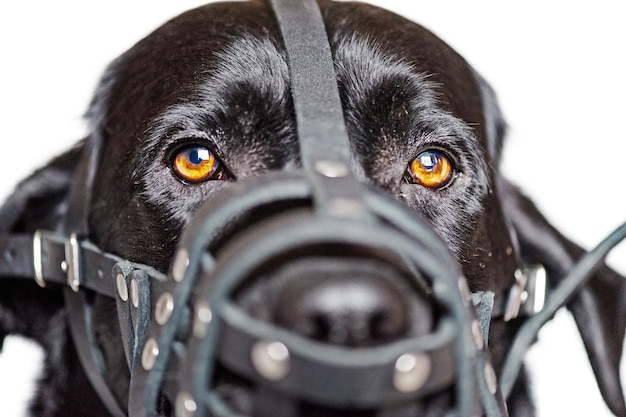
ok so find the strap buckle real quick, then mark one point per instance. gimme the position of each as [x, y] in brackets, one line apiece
[37, 259]
[45, 255]
[529, 292]
[72, 261]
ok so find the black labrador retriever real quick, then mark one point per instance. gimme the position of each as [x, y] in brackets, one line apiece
[205, 101]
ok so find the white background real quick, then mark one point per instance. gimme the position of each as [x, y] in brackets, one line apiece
[558, 68]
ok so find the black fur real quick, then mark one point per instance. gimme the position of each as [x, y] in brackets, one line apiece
[217, 76]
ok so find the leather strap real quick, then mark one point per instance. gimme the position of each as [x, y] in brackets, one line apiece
[322, 133]
[79, 266]
[44, 258]
[22, 261]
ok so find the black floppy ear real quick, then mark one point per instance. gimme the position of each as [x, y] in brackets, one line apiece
[38, 202]
[494, 124]
[599, 309]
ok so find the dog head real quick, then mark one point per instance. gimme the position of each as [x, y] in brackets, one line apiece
[215, 82]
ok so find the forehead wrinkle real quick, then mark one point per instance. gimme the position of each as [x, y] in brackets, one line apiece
[363, 65]
[382, 93]
[247, 61]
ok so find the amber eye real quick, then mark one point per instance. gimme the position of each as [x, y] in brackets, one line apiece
[197, 164]
[432, 169]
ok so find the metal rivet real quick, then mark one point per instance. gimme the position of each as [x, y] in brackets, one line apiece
[164, 307]
[491, 379]
[149, 354]
[271, 360]
[346, 207]
[478, 334]
[523, 296]
[122, 289]
[203, 318]
[134, 293]
[185, 405]
[331, 169]
[440, 288]
[181, 262]
[411, 372]
[63, 266]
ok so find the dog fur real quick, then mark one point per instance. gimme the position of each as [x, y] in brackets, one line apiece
[227, 83]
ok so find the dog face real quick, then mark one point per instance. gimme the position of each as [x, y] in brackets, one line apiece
[242, 113]
[214, 83]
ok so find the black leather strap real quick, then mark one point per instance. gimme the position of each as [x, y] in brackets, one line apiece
[82, 266]
[45, 256]
[314, 366]
[322, 133]
[17, 257]
[80, 326]
[20, 260]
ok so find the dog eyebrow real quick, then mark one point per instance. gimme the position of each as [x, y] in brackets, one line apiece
[393, 109]
[246, 65]
[244, 96]
[244, 102]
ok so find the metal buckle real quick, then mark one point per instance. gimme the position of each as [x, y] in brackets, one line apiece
[536, 288]
[37, 259]
[72, 261]
[528, 293]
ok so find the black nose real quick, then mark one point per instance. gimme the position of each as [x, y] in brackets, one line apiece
[356, 303]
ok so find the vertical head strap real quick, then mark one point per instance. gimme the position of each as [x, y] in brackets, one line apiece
[323, 138]
[78, 310]
[77, 219]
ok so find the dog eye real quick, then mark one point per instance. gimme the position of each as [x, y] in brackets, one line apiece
[196, 164]
[432, 169]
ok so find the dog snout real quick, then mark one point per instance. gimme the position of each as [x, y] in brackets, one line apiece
[349, 310]
[350, 303]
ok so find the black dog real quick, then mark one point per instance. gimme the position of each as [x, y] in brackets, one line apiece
[215, 81]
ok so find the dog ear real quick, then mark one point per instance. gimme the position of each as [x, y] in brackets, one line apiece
[39, 201]
[494, 125]
[599, 309]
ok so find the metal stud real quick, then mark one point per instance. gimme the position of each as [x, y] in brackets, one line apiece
[164, 307]
[491, 379]
[181, 262]
[149, 354]
[331, 169]
[134, 293]
[203, 318]
[346, 207]
[411, 371]
[185, 405]
[122, 289]
[478, 334]
[271, 359]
